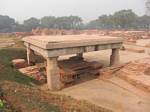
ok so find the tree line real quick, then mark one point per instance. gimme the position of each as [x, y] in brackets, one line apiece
[124, 19]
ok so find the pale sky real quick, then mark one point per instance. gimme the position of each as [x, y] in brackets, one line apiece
[87, 9]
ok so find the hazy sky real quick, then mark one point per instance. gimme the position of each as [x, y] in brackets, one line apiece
[87, 9]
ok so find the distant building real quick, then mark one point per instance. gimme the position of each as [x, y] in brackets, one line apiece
[148, 7]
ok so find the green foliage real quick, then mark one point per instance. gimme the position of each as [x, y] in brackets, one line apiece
[10, 74]
[31, 23]
[1, 104]
[48, 21]
[121, 19]
[65, 22]
[124, 18]
[143, 22]
[6, 23]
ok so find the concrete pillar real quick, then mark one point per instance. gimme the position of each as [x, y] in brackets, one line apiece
[114, 58]
[30, 55]
[53, 76]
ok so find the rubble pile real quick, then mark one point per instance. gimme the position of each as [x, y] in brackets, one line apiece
[136, 73]
[46, 31]
[95, 32]
[19, 63]
[35, 73]
[22, 34]
[131, 36]
[72, 70]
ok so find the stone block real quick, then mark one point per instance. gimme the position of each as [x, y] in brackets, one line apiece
[95, 65]
[19, 63]
[35, 73]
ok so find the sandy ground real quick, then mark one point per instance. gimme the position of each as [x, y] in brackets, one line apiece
[110, 95]
[104, 56]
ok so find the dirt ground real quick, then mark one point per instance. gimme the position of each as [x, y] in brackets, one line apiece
[20, 93]
[26, 99]
[114, 94]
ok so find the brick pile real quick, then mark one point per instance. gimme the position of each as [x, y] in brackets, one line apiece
[19, 63]
[73, 71]
[46, 31]
[136, 73]
[131, 36]
[35, 72]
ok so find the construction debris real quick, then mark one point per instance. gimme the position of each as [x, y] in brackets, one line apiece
[73, 70]
[110, 71]
[136, 73]
[19, 63]
[35, 73]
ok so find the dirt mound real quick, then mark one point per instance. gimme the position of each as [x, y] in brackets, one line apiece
[46, 31]
[130, 37]
[135, 73]
[31, 99]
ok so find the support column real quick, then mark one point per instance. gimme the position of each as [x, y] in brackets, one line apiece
[114, 58]
[30, 55]
[53, 76]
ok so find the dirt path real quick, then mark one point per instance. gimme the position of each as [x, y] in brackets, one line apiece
[110, 95]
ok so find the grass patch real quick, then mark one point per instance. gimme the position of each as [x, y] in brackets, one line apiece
[8, 72]
[20, 97]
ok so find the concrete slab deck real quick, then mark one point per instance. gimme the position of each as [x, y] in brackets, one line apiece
[51, 42]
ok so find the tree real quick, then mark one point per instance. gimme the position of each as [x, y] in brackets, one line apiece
[94, 24]
[143, 22]
[31, 23]
[120, 19]
[6, 23]
[106, 21]
[76, 22]
[69, 22]
[48, 21]
[124, 18]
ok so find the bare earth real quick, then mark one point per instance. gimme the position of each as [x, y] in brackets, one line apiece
[114, 93]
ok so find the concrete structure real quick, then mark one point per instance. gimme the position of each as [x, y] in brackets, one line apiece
[51, 47]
